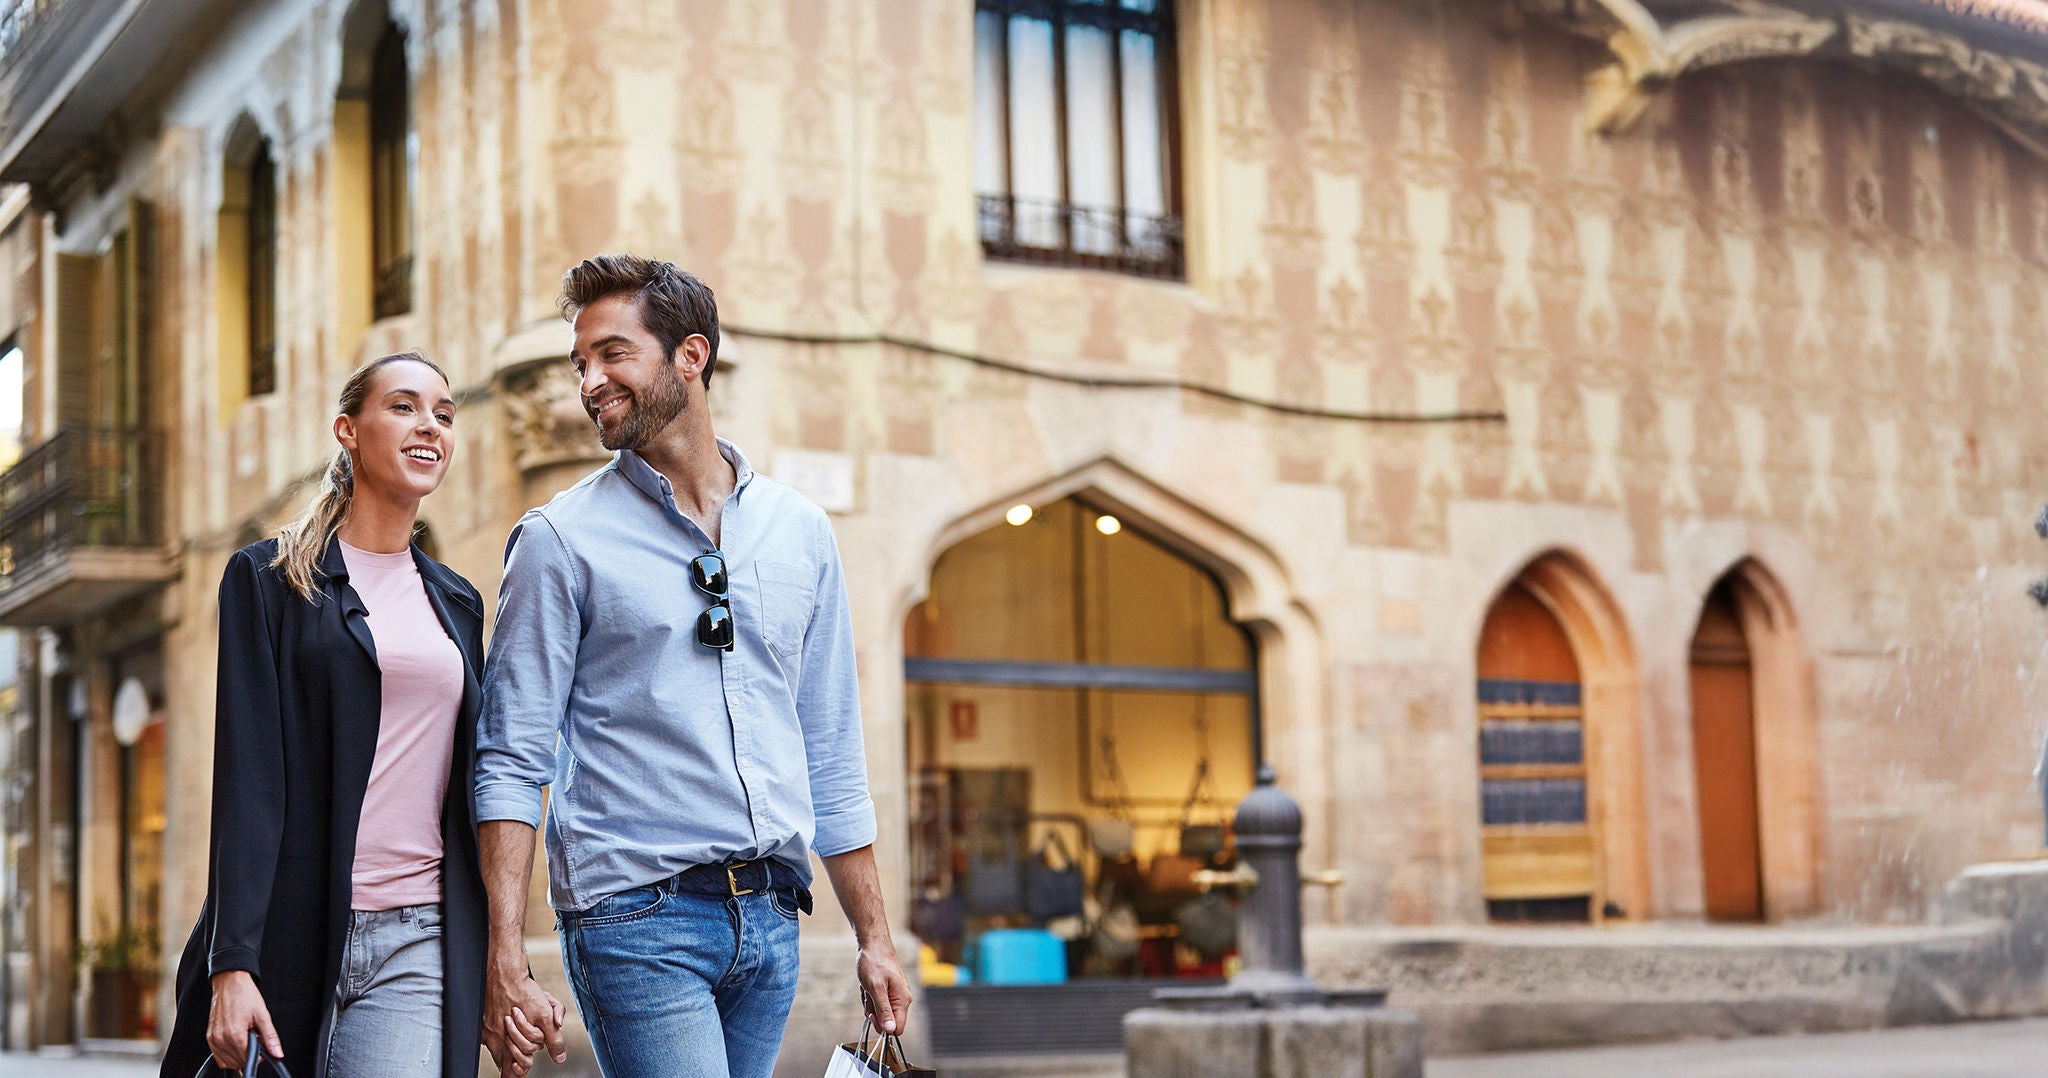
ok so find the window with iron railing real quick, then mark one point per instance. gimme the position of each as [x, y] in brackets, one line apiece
[1076, 134]
[81, 488]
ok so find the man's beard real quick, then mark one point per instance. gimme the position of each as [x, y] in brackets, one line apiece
[648, 415]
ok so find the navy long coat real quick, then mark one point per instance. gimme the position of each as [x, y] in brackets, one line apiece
[300, 696]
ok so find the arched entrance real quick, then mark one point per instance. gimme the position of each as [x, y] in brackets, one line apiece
[1538, 844]
[1724, 760]
[1081, 719]
[1561, 829]
[1756, 752]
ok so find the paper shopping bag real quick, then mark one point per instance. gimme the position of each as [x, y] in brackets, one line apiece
[875, 1055]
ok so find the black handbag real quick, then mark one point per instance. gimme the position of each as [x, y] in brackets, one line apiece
[253, 1063]
[1208, 924]
[939, 917]
[1049, 891]
[995, 885]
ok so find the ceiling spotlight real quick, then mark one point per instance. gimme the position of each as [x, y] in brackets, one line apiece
[1019, 515]
[1108, 525]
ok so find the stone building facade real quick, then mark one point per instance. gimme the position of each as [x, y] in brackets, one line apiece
[1460, 350]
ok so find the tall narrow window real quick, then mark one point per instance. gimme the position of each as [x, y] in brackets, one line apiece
[1075, 133]
[391, 171]
[262, 254]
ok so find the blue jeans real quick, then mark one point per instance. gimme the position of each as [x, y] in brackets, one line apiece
[683, 985]
[386, 1018]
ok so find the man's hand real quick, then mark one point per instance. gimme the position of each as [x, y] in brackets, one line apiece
[238, 1008]
[884, 990]
[520, 1018]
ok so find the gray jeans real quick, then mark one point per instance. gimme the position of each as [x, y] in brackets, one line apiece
[386, 1018]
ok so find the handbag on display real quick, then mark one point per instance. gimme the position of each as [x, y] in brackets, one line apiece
[995, 885]
[1053, 891]
[1208, 924]
[1114, 937]
[254, 1064]
[1203, 841]
[939, 916]
[1169, 881]
[1112, 837]
[874, 1055]
[1119, 879]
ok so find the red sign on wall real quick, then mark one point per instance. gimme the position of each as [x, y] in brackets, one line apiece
[965, 717]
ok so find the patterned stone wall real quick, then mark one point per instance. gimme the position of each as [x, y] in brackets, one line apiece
[1792, 314]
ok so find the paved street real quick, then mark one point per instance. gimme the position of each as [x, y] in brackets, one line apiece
[1981, 1050]
[31, 1065]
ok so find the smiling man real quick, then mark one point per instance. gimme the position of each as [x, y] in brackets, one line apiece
[681, 623]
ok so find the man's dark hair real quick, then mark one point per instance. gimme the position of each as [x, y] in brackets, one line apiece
[673, 304]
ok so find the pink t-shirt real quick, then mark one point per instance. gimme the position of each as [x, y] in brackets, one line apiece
[398, 843]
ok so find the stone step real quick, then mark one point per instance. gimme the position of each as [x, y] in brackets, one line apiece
[1080, 1066]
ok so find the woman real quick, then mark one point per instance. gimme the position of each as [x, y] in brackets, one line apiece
[344, 918]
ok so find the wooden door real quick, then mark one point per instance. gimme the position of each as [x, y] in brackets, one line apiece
[1724, 762]
[1539, 862]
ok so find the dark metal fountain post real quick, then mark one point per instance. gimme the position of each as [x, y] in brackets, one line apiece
[1268, 875]
[1269, 932]
[1271, 1018]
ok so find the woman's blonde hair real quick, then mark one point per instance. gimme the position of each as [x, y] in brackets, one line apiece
[303, 542]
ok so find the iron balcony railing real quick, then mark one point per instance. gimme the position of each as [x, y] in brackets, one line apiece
[82, 488]
[1093, 237]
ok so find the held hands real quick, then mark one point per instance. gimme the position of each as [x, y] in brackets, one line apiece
[238, 1008]
[520, 1017]
[884, 990]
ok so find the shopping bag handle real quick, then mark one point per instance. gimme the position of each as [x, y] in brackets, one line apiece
[888, 1049]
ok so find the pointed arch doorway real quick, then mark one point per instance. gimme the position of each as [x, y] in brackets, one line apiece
[1076, 695]
[1724, 760]
[1756, 752]
[1560, 751]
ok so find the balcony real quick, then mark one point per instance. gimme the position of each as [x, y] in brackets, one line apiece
[67, 65]
[81, 526]
[1050, 233]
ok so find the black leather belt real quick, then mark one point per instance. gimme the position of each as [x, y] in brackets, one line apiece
[742, 878]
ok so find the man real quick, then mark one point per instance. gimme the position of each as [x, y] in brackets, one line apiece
[681, 623]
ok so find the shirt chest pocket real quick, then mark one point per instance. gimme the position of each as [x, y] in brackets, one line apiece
[787, 592]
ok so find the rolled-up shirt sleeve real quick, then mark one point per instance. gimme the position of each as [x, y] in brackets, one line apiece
[528, 678]
[828, 706]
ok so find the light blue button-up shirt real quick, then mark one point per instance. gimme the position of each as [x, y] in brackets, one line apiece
[664, 753]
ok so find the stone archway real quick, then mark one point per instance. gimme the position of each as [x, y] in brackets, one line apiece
[1292, 692]
[1610, 704]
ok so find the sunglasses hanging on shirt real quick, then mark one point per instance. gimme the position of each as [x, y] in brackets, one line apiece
[714, 625]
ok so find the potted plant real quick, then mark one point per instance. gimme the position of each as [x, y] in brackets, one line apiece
[123, 968]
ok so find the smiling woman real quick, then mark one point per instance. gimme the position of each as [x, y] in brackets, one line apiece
[341, 637]
[388, 406]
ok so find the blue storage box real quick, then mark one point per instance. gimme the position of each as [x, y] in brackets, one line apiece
[1020, 956]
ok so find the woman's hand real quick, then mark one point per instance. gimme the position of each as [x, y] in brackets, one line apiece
[237, 1009]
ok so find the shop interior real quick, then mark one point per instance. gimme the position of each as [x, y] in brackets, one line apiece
[1081, 723]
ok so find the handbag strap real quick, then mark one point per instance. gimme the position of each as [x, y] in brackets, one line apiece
[1198, 794]
[252, 1062]
[255, 1059]
[1053, 841]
